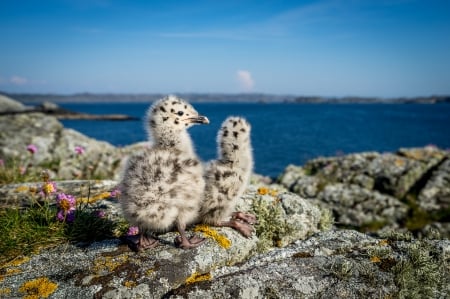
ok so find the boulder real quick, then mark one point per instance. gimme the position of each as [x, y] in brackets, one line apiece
[9, 105]
[108, 269]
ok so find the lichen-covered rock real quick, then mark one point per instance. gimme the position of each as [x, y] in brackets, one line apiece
[435, 196]
[56, 148]
[334, 264]
[109, 269]
[355, 206]
[9, 105]
[371, 191]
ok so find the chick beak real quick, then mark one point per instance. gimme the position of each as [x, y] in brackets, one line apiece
[199, 120]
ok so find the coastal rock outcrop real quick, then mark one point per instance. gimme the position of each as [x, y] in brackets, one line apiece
[408, 190]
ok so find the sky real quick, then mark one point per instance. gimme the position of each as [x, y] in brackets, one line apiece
[336, 48]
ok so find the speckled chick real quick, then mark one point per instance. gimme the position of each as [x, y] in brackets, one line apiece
[228, 176]
[162, 186]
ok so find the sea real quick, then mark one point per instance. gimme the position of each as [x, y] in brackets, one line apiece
[288, 133]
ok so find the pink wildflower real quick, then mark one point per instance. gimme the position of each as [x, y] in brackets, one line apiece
[115, 193]
[2, 163]
[100, 214]
[69, 216]
[65, 202]
[32, 148]
[79, 150]
[132, 231]
[48, 188]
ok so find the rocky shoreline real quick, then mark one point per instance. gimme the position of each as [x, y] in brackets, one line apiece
[389, 238]
[53, 109]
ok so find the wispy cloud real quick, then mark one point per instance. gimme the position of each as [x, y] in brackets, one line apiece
[245, 80]
[18, 80]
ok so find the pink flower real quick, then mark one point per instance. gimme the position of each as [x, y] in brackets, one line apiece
[69, 216]
[32, 148]
[2, 163]
[115, 193]
[132, 231]
[65, 202]
[100, 214]
[79, 150]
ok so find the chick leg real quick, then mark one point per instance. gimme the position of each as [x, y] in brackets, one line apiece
[241, 226]
[185, 243]
[247, 217]
[141, 242]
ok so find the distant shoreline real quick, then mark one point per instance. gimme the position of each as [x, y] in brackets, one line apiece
[219, 98]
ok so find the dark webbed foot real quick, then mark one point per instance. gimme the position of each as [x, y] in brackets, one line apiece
[241, 226]
[141, 242]
[246, 217]
[189, 243]
[183, 242]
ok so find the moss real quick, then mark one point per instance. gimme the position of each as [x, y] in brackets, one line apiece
[197, 277]
[418, 274]
[38, 288]
[393, 235]
[271, 226]
[223, 241]
[372, 226]
[326, 219]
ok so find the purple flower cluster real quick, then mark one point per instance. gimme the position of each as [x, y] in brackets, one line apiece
[66, 207]
[32, 148]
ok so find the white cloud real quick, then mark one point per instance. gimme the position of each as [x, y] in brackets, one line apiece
[17, 80]
[245, 80]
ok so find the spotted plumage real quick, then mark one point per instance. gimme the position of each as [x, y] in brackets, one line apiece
[227, 177]
[162, 186]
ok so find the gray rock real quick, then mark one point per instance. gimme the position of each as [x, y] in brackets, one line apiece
[109, 269]
[435, 196]
[334, 264]
[358, 207]
[9, 105]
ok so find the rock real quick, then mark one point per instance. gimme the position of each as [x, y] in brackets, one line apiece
[9, 105]
[435, 196]
[358, 207]
[109, 269]
[56, 148]
[334, 264]
[371, 191]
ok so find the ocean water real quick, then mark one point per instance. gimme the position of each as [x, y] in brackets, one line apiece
[285, 134]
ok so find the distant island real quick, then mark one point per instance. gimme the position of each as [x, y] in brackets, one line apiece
[219, 98]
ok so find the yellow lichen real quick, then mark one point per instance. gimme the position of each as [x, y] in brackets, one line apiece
[129, 284]
[16, 262]
[38, 288]
[273, 192]
[5, 291]
[375, 259]
[263, 190]
[22, 189]
[196, 277]
[383, 242]
[95, 198]
[213, 234]
[108, 263]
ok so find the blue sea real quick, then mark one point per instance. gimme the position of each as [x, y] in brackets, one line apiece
[285, 134]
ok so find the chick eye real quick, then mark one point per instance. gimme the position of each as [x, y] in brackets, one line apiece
[180, 113]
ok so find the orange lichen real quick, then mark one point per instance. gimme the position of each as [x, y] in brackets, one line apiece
[197, 277]
[383, 242]
[38, 288]
[213, 234]
[129, 284]
[375, 259]
[263, 190]
[16, 262]
[22, 189]
[101, 196]
[108, 264]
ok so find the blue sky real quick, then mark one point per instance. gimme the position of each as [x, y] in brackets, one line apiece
[327, 48]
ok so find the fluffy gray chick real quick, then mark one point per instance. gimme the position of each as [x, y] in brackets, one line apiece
[162, 186]
[227, 178]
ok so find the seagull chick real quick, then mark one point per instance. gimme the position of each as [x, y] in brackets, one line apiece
[162, 186]
[227, 178]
